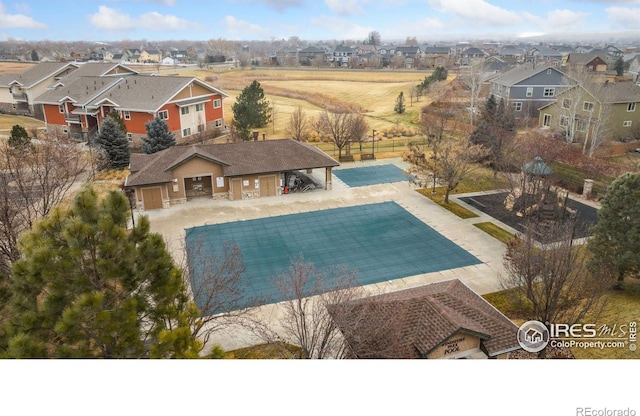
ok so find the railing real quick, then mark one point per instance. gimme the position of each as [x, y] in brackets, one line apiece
[72, 118]
[20, 96]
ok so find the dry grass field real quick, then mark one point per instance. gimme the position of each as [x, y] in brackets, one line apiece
[372, 92]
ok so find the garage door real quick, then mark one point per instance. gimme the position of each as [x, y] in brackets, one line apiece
[268, 186]
[152, 198]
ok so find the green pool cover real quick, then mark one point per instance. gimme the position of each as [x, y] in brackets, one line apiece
[380, 241]
[371, 175]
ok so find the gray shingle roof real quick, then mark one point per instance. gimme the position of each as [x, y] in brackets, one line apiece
[520, 73]
[39, 73]
[130, 93]
[237, 159]
[418, 320]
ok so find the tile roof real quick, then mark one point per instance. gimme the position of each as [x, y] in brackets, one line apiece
[244, 158]
[416, 321]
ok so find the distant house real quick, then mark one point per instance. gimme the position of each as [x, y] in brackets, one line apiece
[235, 171]
[344, 55]
[471, 55]
[150, 56]
[436, 321]
[79, 107]
[527, 87]
[513, 54]
[613, 108]
[436, 56]
[543, 55]
[311, 55]
[19, 91]
[592, 61]
[410, 54]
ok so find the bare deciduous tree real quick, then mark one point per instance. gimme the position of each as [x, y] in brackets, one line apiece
[305, 320]
[456, 161]
[473, 79]
[34, 180]
[342, 125]
[298, 126]
[214, 276]
[552, 277]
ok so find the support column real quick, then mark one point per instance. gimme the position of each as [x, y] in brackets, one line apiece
[327, 179]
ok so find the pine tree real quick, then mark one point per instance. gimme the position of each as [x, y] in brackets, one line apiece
[496, 128]
[19, 138]
[88, 287]
[400, 107]
[619, 67]
[158, 136]
[616, 238]
[114, 143]
[251, 110]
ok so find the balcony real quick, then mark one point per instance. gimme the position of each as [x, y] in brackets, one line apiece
[72, 118]
[20, 96]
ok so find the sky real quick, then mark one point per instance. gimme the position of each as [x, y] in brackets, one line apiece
[115, 20]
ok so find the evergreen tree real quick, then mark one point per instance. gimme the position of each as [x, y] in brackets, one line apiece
[251, 110]
[115, 116]
[88, 287]
[34, 56]
[158, 136]
[619, 67]
[616, 237]
[400, 107]
[496, 128]
[114, 143]
[19, 138]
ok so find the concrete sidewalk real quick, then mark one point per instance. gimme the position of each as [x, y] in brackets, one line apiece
[483, 278]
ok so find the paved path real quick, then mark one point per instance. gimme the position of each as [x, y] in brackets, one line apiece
[483, 278]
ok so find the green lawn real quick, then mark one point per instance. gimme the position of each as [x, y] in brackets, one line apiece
[496, 232]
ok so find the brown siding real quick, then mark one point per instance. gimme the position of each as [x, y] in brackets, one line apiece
[197, 167]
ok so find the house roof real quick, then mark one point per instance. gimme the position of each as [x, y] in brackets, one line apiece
[416, 321]
[618, 92]
[237, 159]
[521, 73]
[130, 93]
[583, 58]
[39, 73]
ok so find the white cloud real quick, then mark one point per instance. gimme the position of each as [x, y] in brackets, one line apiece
[346, 7]
[561, 20]
[340, 28]
[622, 18]
[112, 19]
[18, 20]
[245, 29]
[165, 2]
[277, 4]
[154, 20]
[478, 12]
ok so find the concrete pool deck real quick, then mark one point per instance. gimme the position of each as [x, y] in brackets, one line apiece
[483, 277]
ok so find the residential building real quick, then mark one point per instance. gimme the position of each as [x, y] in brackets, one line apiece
[610, 111]
[19, 91]
[187, 105]
[527, 87]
